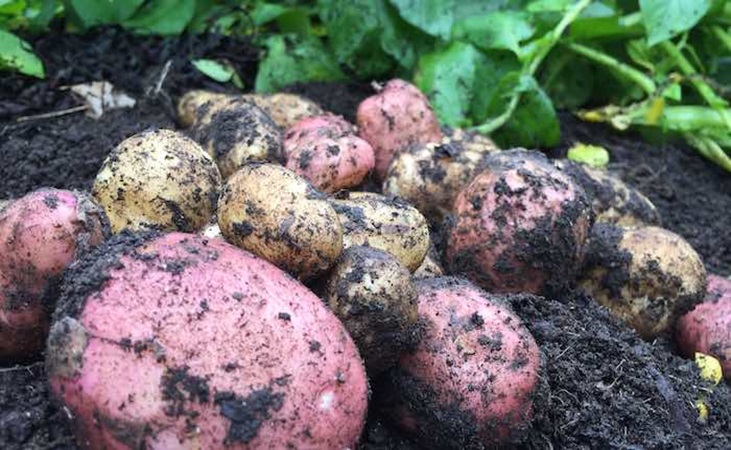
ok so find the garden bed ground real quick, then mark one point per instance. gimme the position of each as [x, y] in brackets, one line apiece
[604, 388]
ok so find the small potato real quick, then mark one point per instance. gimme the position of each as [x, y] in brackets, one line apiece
[519, 226]
[395, 118]
[707, 328]
[386, 223]
[235, 132]
[374, 297]
[278, 215]
[314, 128]
[613, 201]
[471, 381]
[431, 266]
[647, 277]
[158, 179]
[192, 101]
[286, 109]
[470, 141]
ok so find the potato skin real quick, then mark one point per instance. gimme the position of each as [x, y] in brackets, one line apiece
[470, 383]
[519, 226]
[707, 328]
[278, 215]
[374, 297]
[158, 179]
[191, 101]
[385, 223]
[396, 117]
[647, 277]
[41, 233]
[286, 109]
[612, 200]
[236, 131]
[431, 267]
[175, 341]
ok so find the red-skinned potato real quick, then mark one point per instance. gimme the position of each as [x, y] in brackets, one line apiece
[707, 328]
[397, 116]
[176, 341]
[470, 383]
[41, 233]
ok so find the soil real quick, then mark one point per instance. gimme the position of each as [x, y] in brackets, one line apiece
[602, 387]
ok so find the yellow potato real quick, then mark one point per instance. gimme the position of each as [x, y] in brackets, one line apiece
[286, 109]
[192, 101]
[431, 266]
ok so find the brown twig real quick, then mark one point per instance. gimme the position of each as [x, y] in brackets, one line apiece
[53, 114]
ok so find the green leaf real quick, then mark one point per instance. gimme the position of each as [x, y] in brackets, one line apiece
[665, 19]
[591, 155]
[292, 59]
[265, 12]
[164, 17]
[549, 5]
[568, 80]
[100, 12]
[496, 30]
[435, 17]
[219, 71]
[16, 53]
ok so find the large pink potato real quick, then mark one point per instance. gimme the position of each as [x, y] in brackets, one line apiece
[707, 328]
[519, 226]
[395, 118]
[176, 341]
[471, 381]
[40, 234]
[323, 126]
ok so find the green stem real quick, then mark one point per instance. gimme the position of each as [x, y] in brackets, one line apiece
[688, 70]
[684, 118]
[709, 148]
[626, 70]
[722, 36]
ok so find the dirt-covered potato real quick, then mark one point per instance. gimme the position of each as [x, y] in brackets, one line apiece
[395, 118]
[613, 201]
[471, 381]
[236, 131]
[519, 226]
[431, 266]
[278, 215]
[470, 140]
[192, 101]
[383, 222]
[373, 295]
[180, 342]
[286, 109]
[646, 276]
[158, 179]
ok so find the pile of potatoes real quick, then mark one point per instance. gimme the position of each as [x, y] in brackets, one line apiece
[233, 284]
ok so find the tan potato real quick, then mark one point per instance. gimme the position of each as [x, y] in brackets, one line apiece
[371, 292]
[278, 215]
[471, 140]
[3, 204]
[612, 200]
[235, 131]
[160, 180]
[431, 267]
[286, 109]
[386, 223]
[192, 101]
[647, 277]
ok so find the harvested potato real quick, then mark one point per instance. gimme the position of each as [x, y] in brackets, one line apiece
[470, 140]
[192, 101]
[471, 381]
[41, 233]
[278, 215]
[707, 328]
[613, 201]
[519, 226]
[235, 132]
[312, 128]
[285, 109]
[647, 277]
[431, 266]
[158, 179]
[395, 118]
[386, 223]
[373, 295]
[177, 341]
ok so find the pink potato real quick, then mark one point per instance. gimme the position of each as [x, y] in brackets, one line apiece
[322, 126]
[707, 328]
[395, 118]
[519, 226]
[40, 235]
[177, 341]
[471, 381]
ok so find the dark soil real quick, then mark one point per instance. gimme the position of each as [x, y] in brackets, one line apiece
[603, 386]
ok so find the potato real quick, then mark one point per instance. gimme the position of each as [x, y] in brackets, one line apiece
[707, 328]
[372, 294]
[613, 201]
[41, 233]
[395, 118]
[176, 341]
[323, 126]
[3, 204]
[236, 131]
[519, 226]
[470, 140]
[647, 277]
[471, 381]
[192, 101]
[278, 215]
[431, 266]
[386, 223]
[285, 109]
[158, 179]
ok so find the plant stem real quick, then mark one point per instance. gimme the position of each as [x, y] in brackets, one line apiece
[684, 118]
[709, 148]
[722, 36]
[626, 70]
